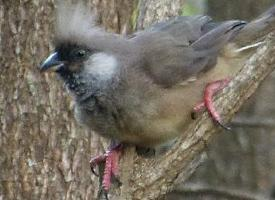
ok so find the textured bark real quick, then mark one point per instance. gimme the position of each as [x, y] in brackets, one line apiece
[194, 192]
[116, 15]
[157, 10]
[44, 154]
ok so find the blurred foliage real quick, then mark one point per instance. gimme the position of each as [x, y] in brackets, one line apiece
[134, 16]
[193, 7]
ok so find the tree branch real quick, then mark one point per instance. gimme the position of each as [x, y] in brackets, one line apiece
[202, 192]
[153, 178]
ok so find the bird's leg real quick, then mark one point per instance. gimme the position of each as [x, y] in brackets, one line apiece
[210, 90]
[111, 159]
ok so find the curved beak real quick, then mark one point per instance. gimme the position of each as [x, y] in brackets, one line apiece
[51, 63]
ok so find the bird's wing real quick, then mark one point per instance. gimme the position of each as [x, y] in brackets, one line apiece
[180, 48]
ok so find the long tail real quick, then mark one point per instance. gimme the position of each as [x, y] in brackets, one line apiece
[254, 31]
[218, 37]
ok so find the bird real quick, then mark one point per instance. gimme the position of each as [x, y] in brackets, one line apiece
[140, 89]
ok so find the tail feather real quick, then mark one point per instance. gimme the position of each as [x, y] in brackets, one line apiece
[257, 28]
[219, 36]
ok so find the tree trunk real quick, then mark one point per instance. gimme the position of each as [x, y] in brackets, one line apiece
[44, 153]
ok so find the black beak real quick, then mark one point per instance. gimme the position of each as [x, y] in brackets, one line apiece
[51, 63]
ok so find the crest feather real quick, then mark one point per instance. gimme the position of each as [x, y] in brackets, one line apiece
[74, 21]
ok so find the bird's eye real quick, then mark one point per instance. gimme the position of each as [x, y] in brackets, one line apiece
[80, 53]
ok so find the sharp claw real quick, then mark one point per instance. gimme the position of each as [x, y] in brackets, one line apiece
[106, 195]
[102, 192]
[223, 126]
[93, 170]
[94, 162]
[210, 90]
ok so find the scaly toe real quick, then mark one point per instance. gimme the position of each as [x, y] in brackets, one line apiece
[96, 161]
[210, 90]
[106, 181]
[111, 160]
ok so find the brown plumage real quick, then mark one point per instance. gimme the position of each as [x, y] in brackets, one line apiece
[141, 89]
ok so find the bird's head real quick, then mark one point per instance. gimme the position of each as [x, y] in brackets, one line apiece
[82, 57]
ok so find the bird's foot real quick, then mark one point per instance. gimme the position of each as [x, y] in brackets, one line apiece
[210, 90]
[111, 159]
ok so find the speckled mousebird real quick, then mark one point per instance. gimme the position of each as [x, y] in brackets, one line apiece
[141, 89]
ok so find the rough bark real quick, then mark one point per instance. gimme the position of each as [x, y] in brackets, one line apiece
[44, 154]
[116, 15]
[194, 192]
[156, 10]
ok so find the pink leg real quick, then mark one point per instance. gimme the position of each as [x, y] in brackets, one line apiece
[210, 90]
[111, 159]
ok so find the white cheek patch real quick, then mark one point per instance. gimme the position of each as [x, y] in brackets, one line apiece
[101, 65]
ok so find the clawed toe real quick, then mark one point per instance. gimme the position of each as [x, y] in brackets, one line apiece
[228, 128]
[96, 161]
[111, 159]
[210, 90]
